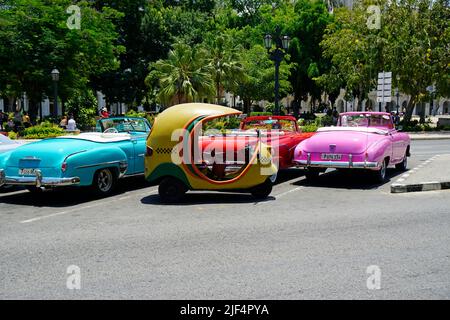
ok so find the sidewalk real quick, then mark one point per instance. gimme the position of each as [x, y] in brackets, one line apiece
[437, 135]
[433, 174]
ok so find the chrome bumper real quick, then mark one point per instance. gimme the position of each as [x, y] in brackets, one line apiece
[337, 164]
[38, 180]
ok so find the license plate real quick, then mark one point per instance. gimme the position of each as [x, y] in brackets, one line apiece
[27, 172]
[331, 156]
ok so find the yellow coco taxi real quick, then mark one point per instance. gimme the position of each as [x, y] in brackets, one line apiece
[182, 156]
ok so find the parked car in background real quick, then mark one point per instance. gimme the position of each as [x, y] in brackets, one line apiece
[361, 140]
[97, 159]
[280, 132]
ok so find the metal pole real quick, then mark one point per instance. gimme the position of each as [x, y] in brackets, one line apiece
[277, 83]
[55, 97]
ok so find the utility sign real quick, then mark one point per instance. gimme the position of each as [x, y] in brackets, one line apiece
[384, 87]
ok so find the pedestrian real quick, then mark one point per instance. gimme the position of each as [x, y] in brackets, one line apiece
[10, 125]
[63, 123]
[1, 120]
[26, 120]
[335, 116]
[17, 119]
[71, 124]
[104, 113]
[397, 119]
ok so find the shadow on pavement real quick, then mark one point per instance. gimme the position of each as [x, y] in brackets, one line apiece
[348, 179]
[200, 197]
[67, 197]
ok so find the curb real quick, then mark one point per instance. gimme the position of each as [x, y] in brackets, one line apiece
[418, 187]
[430, 138]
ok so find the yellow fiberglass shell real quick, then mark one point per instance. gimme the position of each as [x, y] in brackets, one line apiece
[189, 116]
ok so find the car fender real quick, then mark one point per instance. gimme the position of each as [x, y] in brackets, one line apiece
[379, 150]
[85, 163]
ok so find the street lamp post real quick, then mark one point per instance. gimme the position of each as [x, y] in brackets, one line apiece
[397, 91]
[55, 78]
[277, 55]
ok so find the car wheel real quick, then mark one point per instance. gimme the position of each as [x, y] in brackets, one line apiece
[380, 175]
[104, 182]
[402, 166]
[263, 190]
[171, 190]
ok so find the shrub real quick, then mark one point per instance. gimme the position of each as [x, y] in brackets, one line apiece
[12, 135]
[44, 130]
[148, 116]
[254, 114]
[309, 128]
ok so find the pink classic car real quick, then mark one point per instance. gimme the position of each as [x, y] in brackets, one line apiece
[361, 140]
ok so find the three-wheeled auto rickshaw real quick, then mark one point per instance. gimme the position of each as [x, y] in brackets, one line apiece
[178, 159]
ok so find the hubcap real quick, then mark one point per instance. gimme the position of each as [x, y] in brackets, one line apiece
[104, 180]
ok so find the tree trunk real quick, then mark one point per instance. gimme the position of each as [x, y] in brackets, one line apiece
[410, 109]
[246, 106]
[33, 110]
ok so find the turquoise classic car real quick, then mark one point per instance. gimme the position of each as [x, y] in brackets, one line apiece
[97, 159]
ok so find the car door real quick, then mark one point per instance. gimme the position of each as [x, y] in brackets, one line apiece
[139, 145]
[397, 145]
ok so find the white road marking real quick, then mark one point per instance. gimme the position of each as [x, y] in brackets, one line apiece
[287, 192]
[86, 207]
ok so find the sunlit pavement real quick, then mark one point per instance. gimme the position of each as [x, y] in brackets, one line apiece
[307, 241]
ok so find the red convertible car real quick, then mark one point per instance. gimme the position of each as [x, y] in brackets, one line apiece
[280, 132]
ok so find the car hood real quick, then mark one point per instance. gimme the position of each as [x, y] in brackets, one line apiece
[48, 152]
[343, 141]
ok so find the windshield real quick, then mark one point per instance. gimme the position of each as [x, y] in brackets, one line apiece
[124, 125]
[366, 120]
[270, 124]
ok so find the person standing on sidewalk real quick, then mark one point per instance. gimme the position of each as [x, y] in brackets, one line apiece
[26, 120]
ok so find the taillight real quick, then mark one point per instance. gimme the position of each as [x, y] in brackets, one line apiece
[64, 167]
[149, 151]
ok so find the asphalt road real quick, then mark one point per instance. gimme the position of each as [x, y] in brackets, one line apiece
[307, 241]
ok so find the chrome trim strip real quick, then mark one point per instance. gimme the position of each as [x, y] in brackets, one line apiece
[72, 154]
[336, 164]
[98, 164]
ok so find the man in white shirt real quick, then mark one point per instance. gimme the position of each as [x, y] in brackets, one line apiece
[71, 124]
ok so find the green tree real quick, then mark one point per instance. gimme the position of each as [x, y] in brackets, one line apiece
[258, 82]
[224, 62]
[184, 76]
[34, 39]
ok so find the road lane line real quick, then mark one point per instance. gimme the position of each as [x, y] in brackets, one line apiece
[84, 207]
[287, 192]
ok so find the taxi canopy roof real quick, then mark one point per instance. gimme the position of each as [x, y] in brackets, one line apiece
[178, 116]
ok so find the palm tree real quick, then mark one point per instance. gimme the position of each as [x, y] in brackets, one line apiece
[224, 61]
[185, 75]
